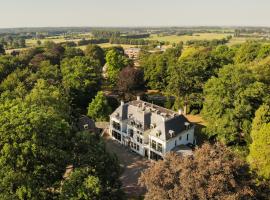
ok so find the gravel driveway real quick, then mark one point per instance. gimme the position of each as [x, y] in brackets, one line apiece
[132, 164]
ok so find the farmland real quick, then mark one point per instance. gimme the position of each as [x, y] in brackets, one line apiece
[185, 38]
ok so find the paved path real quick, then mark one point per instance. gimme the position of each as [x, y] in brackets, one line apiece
[132, 164]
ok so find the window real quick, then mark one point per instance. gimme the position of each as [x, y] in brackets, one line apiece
[116, 125]
[130, 132]
[180, 138]
[175, 143]
[141, 140]
[159, 147]
[155, 156]
[153, 144]
[138, 147]
[116, 135]
[138, 139]
[187, 137]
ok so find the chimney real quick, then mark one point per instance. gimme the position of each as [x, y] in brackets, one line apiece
[185, 109]
[138, 98]
[180, 112]
[122, 103]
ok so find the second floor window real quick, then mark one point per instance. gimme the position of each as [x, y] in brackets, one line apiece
[153, 144]
[116, 125]
[187, 137]
[159, 147]
[130, 132]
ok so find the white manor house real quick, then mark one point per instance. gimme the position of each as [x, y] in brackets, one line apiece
[150, 130]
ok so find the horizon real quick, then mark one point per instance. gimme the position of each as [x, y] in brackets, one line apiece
[127, 13]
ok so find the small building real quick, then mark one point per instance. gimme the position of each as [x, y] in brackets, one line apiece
[132, 53]
[86, 124]
[150, 130]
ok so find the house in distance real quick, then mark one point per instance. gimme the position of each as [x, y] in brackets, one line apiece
[150, 130]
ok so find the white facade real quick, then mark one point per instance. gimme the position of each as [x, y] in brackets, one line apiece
[145, 129]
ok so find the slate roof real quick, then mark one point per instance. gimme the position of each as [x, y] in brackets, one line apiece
[146, 115]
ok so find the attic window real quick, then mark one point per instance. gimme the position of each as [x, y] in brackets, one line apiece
[158, 134]
[172, 133]
[85, 126]
[153, 125]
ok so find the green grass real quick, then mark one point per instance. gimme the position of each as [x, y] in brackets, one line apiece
[185, 38]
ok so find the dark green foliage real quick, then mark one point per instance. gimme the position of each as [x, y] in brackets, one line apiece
[7, 65]
[231, 100]
[32, 150]
[96, 53]
[187, 78]
[96, 171]
[2, 50]
[80, 78]
[71, 52]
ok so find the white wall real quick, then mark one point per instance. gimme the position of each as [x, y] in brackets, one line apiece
[171, 143]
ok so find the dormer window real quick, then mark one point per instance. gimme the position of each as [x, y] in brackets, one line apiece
[171, 133]
[152, 126]
[85, 126]
[158, 134]
[187, 125]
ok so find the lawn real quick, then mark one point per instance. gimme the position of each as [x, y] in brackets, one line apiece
[185, 38]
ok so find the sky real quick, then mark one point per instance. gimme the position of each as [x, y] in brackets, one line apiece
[100, 13]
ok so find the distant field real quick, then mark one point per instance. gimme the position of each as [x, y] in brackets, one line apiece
[185, 38]
[33, 42]
[105, 45]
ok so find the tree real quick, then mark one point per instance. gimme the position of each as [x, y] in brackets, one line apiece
[130, 78]
[95, 52]
[71, 52]
[2, 50]
[259, 148]
[33, 150]
[187, 78]
[187, 177]
[81, 184]
[92, 178]
[99, 108]
[39, 43]
[247, 52]
[80, 79]
[115, 62]
[231, 100]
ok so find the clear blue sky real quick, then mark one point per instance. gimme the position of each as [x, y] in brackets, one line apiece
[36, 13]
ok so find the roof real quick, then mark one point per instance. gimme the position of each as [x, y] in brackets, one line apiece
[154, 119]
[90, 124]
[183, 149]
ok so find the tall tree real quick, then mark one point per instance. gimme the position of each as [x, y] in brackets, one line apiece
[80, 79]
[259, 149]
[33, 150]
[231, 100]
[92, 178]
[115, 61]
[187, 78]
[2, 50]
[187, 177]
[99, 108]
[95, 52]
[130, 78]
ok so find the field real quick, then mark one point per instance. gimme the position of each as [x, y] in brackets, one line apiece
[185, 38]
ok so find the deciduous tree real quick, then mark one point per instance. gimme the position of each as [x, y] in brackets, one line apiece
[213, 172]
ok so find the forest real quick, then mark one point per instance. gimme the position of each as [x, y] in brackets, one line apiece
[45, 89]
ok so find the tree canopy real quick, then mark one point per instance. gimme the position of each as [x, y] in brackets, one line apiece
[179, 177]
